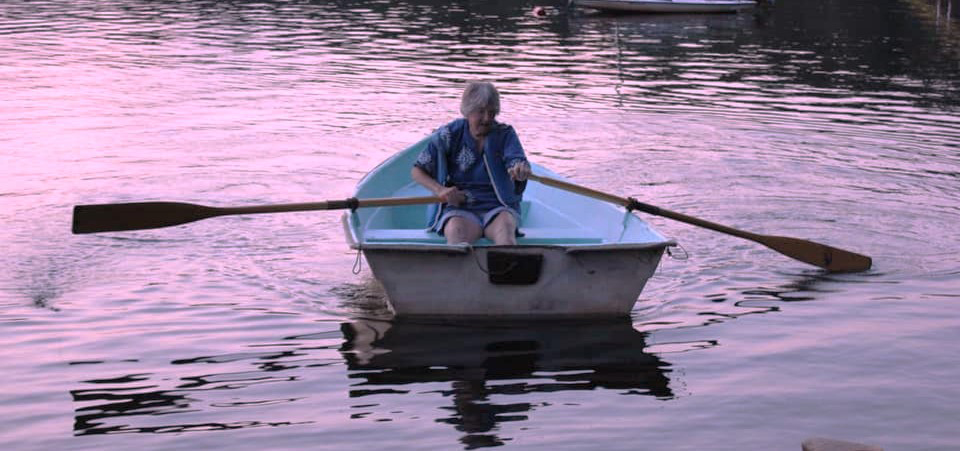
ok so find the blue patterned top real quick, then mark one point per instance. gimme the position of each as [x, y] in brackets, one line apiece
[465, 164]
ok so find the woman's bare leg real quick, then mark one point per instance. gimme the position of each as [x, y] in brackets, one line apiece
[503, 229]
[461, 230]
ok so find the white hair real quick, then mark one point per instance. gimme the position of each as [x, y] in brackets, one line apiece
[479, 95]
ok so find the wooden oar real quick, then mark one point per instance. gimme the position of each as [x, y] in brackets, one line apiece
[827, 257]
[152, 215]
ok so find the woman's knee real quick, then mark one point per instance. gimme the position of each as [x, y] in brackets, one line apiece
[459, 230]
[503, 229]
[505, 221]
[510, 221]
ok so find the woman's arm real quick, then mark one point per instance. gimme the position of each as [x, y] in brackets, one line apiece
[448, 194]
[514, 157]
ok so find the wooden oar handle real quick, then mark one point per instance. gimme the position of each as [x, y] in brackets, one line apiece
[580, 190]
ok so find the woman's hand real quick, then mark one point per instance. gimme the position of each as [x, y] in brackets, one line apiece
[451, 195]
[519, 171]
[447, 194]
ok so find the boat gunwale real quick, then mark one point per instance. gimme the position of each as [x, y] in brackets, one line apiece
[465, 248]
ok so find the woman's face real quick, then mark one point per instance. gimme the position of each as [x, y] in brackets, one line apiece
[481, 121]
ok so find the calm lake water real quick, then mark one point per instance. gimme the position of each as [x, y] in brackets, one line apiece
[831, 121]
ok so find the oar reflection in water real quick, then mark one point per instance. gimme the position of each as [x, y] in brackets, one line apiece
[538, 357]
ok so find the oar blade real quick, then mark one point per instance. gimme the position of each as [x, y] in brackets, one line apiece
[136, 216]
[827, 257]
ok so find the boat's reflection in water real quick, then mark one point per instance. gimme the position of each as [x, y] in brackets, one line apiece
[480, 360]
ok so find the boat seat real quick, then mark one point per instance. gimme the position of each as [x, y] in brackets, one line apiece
[531, 235]
[402, 235]
[556, 235]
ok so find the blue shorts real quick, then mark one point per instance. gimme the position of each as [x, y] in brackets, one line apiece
[483, 218]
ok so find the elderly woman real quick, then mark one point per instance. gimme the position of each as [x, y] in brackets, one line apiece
[473, 165]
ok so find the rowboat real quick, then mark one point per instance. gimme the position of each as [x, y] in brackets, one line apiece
[582, 252]
[577, 255]
[668, 6]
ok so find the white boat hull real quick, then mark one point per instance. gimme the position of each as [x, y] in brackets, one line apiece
[667, 6]
[456, 280]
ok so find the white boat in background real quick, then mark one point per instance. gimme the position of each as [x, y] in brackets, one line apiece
[668, 6]
[577, 256]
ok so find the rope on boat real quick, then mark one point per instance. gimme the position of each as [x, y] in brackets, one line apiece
[358, 264]
[476, 257]
[686, 255]
[624, 225]
[353, 204]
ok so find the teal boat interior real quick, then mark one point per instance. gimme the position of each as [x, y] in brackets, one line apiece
[549, 216]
